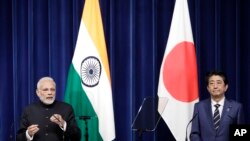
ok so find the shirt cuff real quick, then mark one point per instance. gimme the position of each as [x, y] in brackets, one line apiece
[29, 138]
[64, 126]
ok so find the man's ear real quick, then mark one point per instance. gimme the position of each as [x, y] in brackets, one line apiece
[37, 92]
[207, 88]
[226, 87]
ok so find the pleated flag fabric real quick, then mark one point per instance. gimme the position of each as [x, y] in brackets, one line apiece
[89, 84]
[178, 79]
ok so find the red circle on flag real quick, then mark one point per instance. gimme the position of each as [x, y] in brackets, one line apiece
[180, 72]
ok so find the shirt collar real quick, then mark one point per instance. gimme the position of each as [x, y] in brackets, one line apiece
[221, 102]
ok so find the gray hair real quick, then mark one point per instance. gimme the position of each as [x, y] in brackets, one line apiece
[45, 79]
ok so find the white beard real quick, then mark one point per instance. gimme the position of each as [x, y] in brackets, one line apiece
[47, 101]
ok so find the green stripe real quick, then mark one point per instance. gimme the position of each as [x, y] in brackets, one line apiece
[76, 96]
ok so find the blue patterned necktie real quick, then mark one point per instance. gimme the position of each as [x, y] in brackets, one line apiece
[216, 116]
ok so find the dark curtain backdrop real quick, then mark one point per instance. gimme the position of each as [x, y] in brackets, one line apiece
[37, 38]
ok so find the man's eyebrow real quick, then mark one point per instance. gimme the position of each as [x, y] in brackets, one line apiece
[48, 88]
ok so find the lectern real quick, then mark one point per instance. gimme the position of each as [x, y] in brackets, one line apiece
[149, 114]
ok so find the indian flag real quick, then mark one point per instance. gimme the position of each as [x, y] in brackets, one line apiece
[89, 85]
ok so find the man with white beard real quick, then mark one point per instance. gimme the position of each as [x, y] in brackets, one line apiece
[48, 119]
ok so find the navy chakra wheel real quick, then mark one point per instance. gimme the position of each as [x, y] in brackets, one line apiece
[90, 71]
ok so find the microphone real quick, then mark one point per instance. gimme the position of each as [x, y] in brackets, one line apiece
[186, 139]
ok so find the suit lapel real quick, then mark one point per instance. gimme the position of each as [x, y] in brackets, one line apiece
[209, 114]
[225, 112]
[225, 109]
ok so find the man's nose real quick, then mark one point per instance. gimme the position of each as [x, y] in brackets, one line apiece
[50, 91]
[215, 85]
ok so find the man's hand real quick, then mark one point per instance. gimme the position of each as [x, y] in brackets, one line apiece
[56, 118]
[33, 129]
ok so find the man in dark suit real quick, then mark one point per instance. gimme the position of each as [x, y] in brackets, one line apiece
[48, 119]
[213, 116]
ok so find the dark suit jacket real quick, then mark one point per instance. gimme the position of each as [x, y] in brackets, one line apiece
[39, 113]
[203, 126]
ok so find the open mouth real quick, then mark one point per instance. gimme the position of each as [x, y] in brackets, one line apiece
[49, 98]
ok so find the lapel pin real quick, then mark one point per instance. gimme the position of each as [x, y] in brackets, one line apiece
[228, 109]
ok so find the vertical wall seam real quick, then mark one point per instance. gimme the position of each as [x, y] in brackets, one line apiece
[131, 26]
[49, 37]
[237, 46]
[30, 52]
[216, 33]
[14, 61]
[154, 55]
[197, 35]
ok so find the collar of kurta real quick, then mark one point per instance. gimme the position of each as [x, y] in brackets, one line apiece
[46, 105]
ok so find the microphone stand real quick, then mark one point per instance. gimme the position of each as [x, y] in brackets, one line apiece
[186, 139]
[85, 118]
[140, 132]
